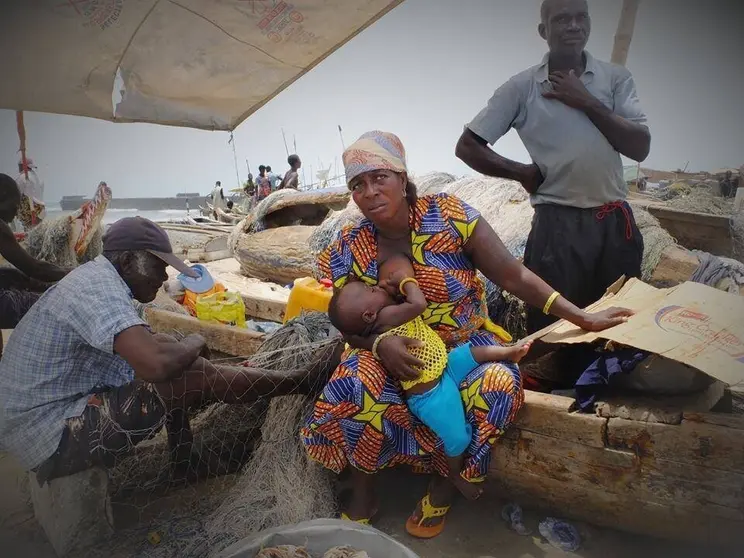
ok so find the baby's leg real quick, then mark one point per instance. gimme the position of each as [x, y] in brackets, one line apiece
[494, 353]
[441, 409]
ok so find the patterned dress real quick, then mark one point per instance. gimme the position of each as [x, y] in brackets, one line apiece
[361, 417]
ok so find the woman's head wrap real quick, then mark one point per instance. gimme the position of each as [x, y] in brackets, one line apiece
[374, 151]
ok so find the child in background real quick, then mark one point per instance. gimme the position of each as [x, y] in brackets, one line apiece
[434, 397]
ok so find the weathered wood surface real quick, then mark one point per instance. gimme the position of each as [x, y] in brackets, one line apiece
[696, 231]
[234, 341]
[263, 300]
[280, 255]
[680, 481]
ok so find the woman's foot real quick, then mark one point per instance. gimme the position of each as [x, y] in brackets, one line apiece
[363, 505]
[470, 490]
[428, 525]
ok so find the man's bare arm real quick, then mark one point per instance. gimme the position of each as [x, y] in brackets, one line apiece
[155, 360]
[627, 137]
[474, 151]
[12, 251]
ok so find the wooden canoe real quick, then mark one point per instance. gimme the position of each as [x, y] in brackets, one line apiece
[664, 468]
[198, 243]
[694, 231]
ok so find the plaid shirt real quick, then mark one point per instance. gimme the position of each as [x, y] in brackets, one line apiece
[60, 352]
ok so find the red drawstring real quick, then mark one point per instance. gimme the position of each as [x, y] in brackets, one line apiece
[608, 208]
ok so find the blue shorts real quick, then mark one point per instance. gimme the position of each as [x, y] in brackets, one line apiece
[442, 409]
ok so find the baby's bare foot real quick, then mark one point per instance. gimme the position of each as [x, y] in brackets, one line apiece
[517, 352]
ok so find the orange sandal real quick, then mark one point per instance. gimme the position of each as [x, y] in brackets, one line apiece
[418, 530]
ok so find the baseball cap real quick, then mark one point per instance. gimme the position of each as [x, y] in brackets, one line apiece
[138, 233]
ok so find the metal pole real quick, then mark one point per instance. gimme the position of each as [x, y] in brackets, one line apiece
[235, 159]
[341, 134]
[624, 33]
[285, 142]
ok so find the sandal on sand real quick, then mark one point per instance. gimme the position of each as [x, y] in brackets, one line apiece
[361, 521]
[428, 511]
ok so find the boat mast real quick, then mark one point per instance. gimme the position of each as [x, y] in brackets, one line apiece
[624, 33]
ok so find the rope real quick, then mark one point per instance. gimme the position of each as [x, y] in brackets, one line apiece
[608, 208]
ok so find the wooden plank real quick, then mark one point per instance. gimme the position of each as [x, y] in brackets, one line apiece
[263, 300]
[719, 419]
[696, 231]
[549, 415]
[570, 462]
[722, 492]
[697, 443]
[233, 341]
[676, 266]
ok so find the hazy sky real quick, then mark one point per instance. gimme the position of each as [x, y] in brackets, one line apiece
[422, 72]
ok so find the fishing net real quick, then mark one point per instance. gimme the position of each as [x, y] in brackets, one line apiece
[50, 241]
[655, 240]
[248, 469]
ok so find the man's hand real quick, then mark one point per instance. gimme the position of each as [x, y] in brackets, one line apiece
[532, 178]
[396, 359]
[569, 90]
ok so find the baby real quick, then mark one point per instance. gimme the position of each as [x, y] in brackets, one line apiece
[434, 397]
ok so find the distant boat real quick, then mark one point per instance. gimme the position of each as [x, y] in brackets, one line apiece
[184, 200]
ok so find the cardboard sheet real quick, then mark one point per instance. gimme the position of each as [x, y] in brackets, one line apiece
[691, 323]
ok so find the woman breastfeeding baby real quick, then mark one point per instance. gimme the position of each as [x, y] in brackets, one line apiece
[406, 291]
[395, 307]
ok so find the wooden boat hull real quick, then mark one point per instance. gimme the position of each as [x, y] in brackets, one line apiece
[198, 243]
[682, 481]
[280, 255]
[694, 231]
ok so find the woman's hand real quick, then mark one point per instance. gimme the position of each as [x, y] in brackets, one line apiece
[398, 362]
[605, 319]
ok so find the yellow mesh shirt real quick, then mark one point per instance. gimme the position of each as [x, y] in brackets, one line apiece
[433, 354]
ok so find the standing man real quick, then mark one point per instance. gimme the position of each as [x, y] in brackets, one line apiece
[576, 115]
[292, 176]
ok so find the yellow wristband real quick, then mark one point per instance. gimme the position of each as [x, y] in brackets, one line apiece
[374, 347]
[549, 303]
[404, 282]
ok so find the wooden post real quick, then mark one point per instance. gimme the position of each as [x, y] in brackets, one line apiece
[22, 139]
[624, 33]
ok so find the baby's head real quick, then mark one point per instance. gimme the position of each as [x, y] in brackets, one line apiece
[354, 307]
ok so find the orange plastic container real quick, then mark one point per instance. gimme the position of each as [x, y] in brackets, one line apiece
[309, 295]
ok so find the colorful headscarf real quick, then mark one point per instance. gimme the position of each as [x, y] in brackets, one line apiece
[374, 151]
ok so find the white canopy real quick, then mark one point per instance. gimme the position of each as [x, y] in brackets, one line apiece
[196, 63]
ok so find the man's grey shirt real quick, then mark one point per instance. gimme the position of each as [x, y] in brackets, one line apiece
[580, 167]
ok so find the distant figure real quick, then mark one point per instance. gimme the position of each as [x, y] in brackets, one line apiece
[728, 185]
[274, 180]
[32, 210]
[229, 206]
[263, 185]
[218, 196]
[249, 187]
[292, 178]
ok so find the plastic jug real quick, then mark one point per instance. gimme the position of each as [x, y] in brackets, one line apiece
[309, 295]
